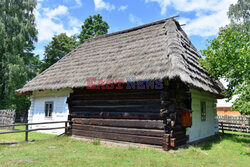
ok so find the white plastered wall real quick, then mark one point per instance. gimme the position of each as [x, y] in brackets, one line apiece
[60, 109]
[202, 129]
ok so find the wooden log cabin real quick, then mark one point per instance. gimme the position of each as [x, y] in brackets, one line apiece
[142, 85]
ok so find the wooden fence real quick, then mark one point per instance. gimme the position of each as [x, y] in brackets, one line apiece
[27, 130]
[234, 123]
[7, 117]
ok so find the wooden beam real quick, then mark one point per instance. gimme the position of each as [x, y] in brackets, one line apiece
[120, 108]
[117, 115]
[147, 124]
[132, 131]
[115, 102]
[119, 137]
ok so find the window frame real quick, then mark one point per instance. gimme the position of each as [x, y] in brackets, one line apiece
[47, 113]
[203, 111]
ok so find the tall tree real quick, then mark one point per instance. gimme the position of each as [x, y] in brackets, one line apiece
[59, 46]
[228, 56]
[17, 63]
[93, 26]
[239, 15]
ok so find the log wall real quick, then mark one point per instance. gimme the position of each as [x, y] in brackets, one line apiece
[174, 98]
[140, 116]
[124, 115]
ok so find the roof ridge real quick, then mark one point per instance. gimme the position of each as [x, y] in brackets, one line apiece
[131, 29]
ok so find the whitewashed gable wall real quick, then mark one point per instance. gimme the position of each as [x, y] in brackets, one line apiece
[60, 109]
[202, 129]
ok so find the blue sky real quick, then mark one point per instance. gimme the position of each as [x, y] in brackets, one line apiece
[203, 18]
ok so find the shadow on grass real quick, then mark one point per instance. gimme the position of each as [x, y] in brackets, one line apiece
[238, 139]
[209, 143]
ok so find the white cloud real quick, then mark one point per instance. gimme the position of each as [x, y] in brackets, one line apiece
[210, 15]
[163, 4]
[135, 19]
[183, 20]
[78, 4]
[53, 13]
[123, 7]
[100, 4]
[49, 22]
[206, 25]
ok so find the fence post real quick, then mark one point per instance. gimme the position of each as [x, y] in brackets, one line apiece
[26, 133]
[222, 128]
[66, 128]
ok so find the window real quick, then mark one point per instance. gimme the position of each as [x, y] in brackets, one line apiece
[203, 111]
[48, 109]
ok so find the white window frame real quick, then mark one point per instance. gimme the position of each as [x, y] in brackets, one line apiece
[203, 111]
[47, 113]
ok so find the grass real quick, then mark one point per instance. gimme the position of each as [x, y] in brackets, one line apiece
[19, 137]
[64, 151]
[236, 133]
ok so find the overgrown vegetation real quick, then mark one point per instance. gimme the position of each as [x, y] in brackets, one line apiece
[65, 151]
[228, 56]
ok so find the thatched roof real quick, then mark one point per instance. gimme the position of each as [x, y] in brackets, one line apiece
[156, 50]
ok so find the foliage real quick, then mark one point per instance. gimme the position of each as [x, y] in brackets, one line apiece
[93, 26]
[239, 16]
[17, 62]
[225, 151]
[59, 46]
[62, 44]
[227, 56]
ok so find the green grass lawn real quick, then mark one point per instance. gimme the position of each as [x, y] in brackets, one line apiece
[64, 151]
[236, 133]
[19, 137]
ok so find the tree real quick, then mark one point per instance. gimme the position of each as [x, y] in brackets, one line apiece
[57, 48]
[17, 62]
[227, 56]
[239, 16]
[62, 44]
[93, 26]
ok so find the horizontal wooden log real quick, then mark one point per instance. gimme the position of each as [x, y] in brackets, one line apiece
[117, 115]
[235, 129]
[120, 108]
[132, 131]
[38, 123]
[115, 92]
[177, 128]
[147, 124]
[116, 96]
[32, 130]
[235, 125]
[115, 102]
[179, 134]
[174, 142]
[119, 137]
[181, 142]
[166, 138]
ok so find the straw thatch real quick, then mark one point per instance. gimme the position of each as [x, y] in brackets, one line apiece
[157, 50]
